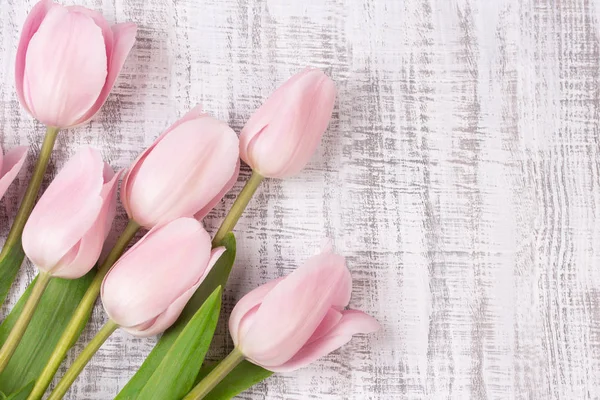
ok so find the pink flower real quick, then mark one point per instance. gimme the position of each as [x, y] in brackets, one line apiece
[67, 62]
[184, 173]
[290, 322]
[281, 137]
[146, 290]
[10, 165]
[66, 230]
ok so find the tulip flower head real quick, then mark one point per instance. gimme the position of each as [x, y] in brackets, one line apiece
[281, 137]
[66, 230]
[68, 60]
[10, 165]
[184, 173]
[290, 322]
[146, 290]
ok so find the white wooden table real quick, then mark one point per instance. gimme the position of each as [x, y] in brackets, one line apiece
[459, 176]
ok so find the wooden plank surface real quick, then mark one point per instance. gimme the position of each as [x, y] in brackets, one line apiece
[459, 176]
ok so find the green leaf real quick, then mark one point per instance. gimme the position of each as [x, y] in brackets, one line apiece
[9, 266]
[176, 374]
[244, 376]
[217, 277]
[22, 393]
[49, 320]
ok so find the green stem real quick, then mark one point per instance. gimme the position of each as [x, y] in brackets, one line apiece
[216, 375]
[81, 314]
[16, 334]
[238, 207]
[14, 236]
[81, 361]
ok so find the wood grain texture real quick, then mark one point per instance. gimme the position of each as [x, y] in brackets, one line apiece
[459, 176]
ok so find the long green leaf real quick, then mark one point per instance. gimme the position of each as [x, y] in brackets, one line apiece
[176, 374]
[9, 266]
[217, 277]
[22, 393]
[49, 320]
[244, 376]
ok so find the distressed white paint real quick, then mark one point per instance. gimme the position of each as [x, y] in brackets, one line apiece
[459, 176]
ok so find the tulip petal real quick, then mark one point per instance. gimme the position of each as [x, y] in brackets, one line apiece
[352, 322]
[99, 20]
[261, 118]
[282, 135]
[204, 212]
[246, 304]
[130, 176]
[66, 211]
[167, 318]
[65, 68]
[332, 318]
[179, 186]
[32, 24]
[90, 246]
[292, 311]
[11, 164]
[123, 39]
[155, 272]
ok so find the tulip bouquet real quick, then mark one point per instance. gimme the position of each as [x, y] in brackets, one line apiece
[170, 280]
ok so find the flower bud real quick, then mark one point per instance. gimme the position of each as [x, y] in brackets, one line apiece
[10, 165]
[290, 322]
[184, 173]
[66, 230]
[146, 290]
[281, 137]
[67, 62]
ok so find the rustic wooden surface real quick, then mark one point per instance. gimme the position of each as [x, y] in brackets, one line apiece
[459, 176]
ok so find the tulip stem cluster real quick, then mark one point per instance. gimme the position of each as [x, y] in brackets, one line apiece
[14, 338]
[88, 352]
[216, 375]
[81, 314]
[14, 236]
[238, 207]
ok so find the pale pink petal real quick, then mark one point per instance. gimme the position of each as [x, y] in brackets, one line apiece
[170, 315]
[352, 323]
[332, 318]
[155, 272]
[66, 211]
[11, 164]
[109, 196]
[246, 304]
[90, 246]
[99, 19]
[123, 41]
[32, 23]
[204, 212]
[65, 68]
[129, 178]
[184, 172]
[262, 117]
[280, 138]
[344, 288]
[292, 311]
[314, 126]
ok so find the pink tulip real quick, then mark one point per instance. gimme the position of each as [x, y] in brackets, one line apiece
[10, 165]
[146, 290]
[66, 230]
[281, 137]
[184, 173]
[67, 62]
[290, 322]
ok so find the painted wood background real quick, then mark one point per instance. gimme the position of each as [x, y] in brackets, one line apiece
[459, 176]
